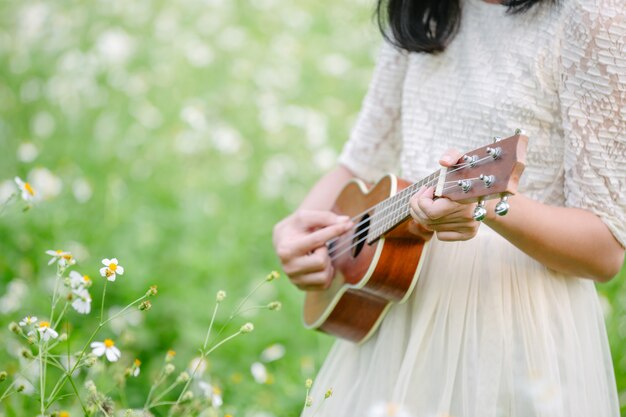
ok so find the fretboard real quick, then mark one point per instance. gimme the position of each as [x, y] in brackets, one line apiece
[394, 210]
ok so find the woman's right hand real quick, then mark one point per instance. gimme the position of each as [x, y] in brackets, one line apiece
[300, 243]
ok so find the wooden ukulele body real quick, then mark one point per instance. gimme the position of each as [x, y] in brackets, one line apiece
[368, 277]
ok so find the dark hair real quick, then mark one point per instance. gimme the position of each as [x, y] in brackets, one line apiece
[428, 25]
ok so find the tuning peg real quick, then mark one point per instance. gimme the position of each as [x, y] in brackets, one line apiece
[480, 211]
[465, 185]
[502, 207]
[495, 153]
[487, 179]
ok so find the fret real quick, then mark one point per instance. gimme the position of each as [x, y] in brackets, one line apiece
[393, 210]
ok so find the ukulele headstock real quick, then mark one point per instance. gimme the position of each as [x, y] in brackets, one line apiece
[489, 172]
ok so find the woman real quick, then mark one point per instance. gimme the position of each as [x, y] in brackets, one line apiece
[504, 319]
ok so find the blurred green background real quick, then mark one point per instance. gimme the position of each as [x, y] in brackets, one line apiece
[173, 136]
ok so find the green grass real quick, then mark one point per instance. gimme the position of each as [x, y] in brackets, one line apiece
[181, 132]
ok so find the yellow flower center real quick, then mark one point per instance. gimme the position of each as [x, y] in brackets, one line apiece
[112, 267]
[171, 353]
[67, 257]
[392, 409]
[64, 414]
[137, 362]
[59, 251]
[44, 324]
[86, 278]
[108, 343]
[29, 189]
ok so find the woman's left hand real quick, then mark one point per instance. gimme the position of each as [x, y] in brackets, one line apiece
[450, 220]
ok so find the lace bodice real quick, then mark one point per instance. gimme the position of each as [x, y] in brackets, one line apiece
[559, 73]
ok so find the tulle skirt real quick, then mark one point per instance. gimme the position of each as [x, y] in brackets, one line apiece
[488, 332]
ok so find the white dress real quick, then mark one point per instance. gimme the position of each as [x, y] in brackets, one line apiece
[488, 331]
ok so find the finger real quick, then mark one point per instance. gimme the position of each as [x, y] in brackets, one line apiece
[315, 281]
[439, 208]
[420, 231]
[319, 237]
[414, 210]
[450, 157]
[316, 261]
[454, 236]
[310, 219]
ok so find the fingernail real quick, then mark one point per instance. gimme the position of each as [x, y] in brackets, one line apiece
[447, 159]
[343, 218]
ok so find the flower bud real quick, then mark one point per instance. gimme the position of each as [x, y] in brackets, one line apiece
[272, 276]
[309, 401]
[169, 356]
[91, 360]
[328, 393]
[308, 383]
[275, 305]
[3, 375]
[247, 328]
[183, 377]
[26, 354]
[169, 369]
[91, 387]
[20, 388]
[62, 337]
[152, 291]
[220, 296]
[15, 328]
[146, 305]
[187, 396]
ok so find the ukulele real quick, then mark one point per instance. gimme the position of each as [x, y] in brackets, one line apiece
[378, 261]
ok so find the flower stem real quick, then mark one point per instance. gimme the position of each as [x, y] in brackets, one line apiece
[119, 313]
[164, 393]
[104, 291]
[202, 355]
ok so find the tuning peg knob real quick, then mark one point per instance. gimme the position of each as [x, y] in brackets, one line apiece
[502, 207]
[480, 211]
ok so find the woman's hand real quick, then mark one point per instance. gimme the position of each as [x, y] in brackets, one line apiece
[300, 243]
[451, 221]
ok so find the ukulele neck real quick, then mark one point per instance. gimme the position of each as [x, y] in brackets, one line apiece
[394, 210]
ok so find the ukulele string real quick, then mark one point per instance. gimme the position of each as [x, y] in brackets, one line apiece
[428, 183]
[341, 249]
[386, 216]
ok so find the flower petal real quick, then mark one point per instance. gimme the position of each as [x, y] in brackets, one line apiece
[120, 270]
[103, 271]
[113, 354]
[106, 262]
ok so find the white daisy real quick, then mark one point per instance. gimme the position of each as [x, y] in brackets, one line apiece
[81, 300]
[78, 280]
[135, 369]
[46, 332]
[106, 348]
[111, 269]
[28, 320]
[64, 258]
[214, 394]
[28, 194]
[259, 372]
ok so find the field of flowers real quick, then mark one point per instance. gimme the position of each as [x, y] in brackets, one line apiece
[155, 144]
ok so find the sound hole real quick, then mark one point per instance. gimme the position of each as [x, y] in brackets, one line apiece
[360, 236]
